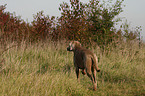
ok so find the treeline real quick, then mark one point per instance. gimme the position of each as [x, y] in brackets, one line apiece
[91, 22]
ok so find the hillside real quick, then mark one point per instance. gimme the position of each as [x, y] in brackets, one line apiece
[46, 69]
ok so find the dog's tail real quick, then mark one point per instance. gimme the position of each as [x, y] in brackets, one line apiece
[96, 63]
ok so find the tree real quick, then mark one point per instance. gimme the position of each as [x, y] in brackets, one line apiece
[11, 27]
[72, 21]
[92, 21]
[101, 18]
[42, 26]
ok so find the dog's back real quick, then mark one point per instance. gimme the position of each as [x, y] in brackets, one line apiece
[79, 59]
[81, 55]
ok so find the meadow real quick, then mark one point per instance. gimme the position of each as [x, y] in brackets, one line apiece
[46, 69]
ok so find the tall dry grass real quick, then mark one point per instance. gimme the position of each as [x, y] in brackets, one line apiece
[46, 69]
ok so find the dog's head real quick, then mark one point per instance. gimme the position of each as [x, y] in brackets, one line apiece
[73, 45]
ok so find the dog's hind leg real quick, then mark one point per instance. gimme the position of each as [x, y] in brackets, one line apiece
[94, 77]
[91, 72]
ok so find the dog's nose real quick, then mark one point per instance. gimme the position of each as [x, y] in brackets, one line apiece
[68, 49]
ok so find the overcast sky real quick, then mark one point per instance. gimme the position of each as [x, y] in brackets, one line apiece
[134, 11]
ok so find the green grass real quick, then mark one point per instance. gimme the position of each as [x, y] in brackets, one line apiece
[46, 69]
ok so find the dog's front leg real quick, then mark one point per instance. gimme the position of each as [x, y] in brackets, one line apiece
[77, 73]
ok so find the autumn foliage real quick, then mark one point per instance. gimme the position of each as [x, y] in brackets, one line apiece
[12, 28]
[93, 21]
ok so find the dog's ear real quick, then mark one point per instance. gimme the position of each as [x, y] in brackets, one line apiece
[77, 43]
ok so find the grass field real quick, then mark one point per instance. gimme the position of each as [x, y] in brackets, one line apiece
[46, 69]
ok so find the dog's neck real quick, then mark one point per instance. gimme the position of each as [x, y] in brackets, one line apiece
[77, 48]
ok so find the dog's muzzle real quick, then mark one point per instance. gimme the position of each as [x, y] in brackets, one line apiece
[69, 49]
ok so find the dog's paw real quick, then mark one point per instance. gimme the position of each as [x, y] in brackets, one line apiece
[83, 72]
[98, 70]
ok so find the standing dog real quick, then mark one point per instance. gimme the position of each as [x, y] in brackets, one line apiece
[85, 60]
